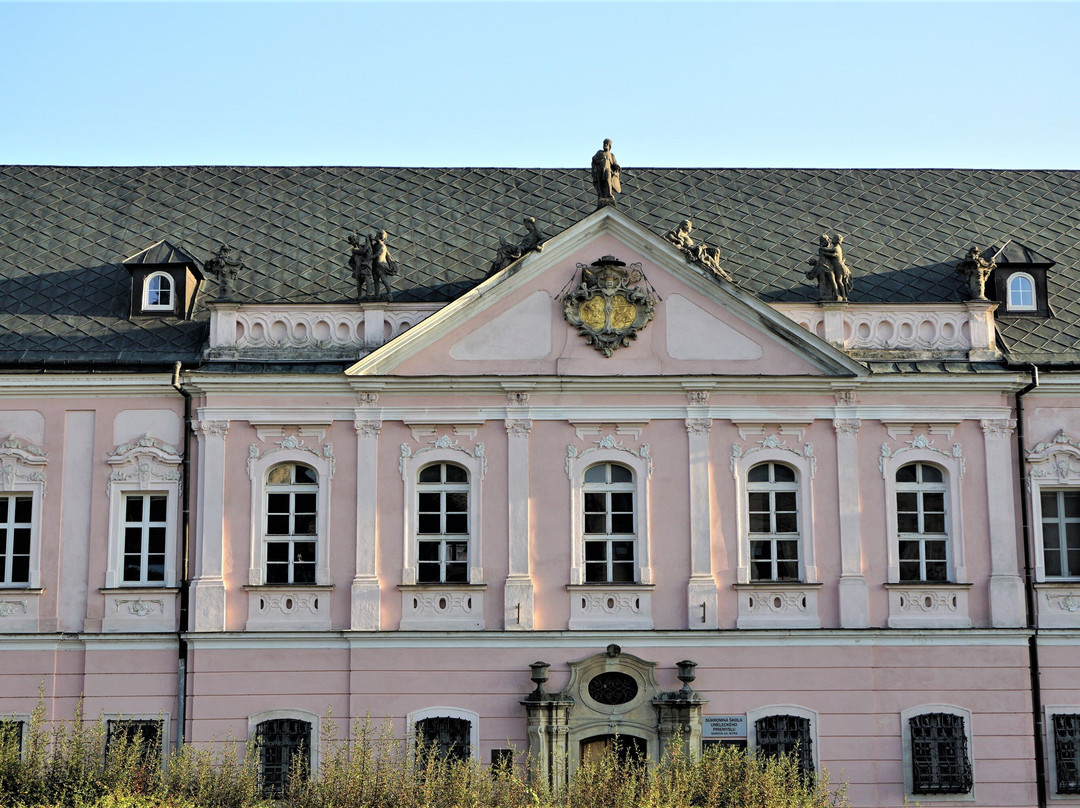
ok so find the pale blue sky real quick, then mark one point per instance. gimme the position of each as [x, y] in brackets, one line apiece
[806, 84]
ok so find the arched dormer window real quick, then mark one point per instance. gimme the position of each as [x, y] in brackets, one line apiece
[1021, 292]
[158, 293]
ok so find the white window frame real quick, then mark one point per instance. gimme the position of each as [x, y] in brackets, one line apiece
[954, 546]
[410, 470]
[170, 281]
[258, 470]
[300, 715]
[22, 473]
[443, 538]
[772, 538]
[905, 735]
[1010, 305]
[575, 469]
[445, 712]
[1049, 712]
[291, 490]
[804, 502]
[1038, 489]
[607, 537]
[752, 717]
[922, 537]
[148, 467]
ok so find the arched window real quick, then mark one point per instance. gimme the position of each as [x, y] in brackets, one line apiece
[609, 530]
[921, 523]
[773, 518]
[1021, 292]
[284, 747]
[442, 524]
[158, 292]
[291, 527]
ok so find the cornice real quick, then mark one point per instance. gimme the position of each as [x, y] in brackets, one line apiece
[37, 385]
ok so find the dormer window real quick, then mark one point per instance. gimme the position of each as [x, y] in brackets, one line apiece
[164, 281]
[1021, 294]
[158, 292]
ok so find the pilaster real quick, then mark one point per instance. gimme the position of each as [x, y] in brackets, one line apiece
[1006, 585]
[853, 592]
[208, 585]
[365, 591]
[701, 596]
[518, 592]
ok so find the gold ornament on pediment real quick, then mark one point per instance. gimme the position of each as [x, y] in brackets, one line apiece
[608, 307]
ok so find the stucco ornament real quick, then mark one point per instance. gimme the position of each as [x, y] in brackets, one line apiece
[291, 443]
[607, 442]
[22, 460]
[443, 442]
[608, 308]
[923, 443]
[1056, 458]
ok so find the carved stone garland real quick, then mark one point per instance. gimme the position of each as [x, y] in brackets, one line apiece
[146, 460]
[291, 443]
[607, 442]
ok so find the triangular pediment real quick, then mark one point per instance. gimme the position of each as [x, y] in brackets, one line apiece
[515, 322]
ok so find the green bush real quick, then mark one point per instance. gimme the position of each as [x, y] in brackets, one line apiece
[68, 765]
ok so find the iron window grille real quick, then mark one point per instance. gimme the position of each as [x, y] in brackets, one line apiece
[778, 735]
[921, 523]
[939, 754]
[16, 518]
[1067, 752]
[284, 746]
[444, 736]
[609, 531]
[1061, 533]
[442, 524]
[292, 493]
[126, 734]
[772, 492]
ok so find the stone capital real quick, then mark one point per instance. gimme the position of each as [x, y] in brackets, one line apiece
[998, 427]
[698, 426]
[847, 426]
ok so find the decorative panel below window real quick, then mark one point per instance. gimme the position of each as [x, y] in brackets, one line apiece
[939, 755]
[786, 735]
[284, 746]
[1067, 752]
[448, 737]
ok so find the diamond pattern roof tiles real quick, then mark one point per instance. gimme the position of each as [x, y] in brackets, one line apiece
[65, 231]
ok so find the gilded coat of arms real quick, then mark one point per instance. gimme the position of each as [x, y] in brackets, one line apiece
[608, 308]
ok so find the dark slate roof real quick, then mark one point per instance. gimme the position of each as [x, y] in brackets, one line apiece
[64, 233]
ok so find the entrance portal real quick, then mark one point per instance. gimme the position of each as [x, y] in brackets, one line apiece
[626, 748]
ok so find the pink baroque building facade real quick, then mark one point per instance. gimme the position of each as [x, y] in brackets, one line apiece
[617, 489]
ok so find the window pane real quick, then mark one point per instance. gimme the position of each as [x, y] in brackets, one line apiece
[277, 503]
[1049, 501]
[622, 501]
[935, 550]
[934, 501]
[305, 503]
[787, 523]
[622, 523]
[931, 474]
[1052, 562]
[304, 551]
[622, 550]
[788, 550]
[622, 573]
[457, 523]
[759, 523]
[934, 523]
[907, 501]
[429, 502]
[429, 551]
[132, 540]
[907, 522]
[785, 500]
[910, 571]
[783, 474]
[621, 474]
[595, 523]
[21, 542]
[758, 474]
[787, 570]
[906, 474]
[428, 573]
[761, 550]
[23, 509]
[1073, 557]
[596, 474]
[909, 550]
[456, 474]
[304, 573]
[132, 509]
[936, 571]
[1051, 537]
[305, 475]
[761, 570]
[304, 524]
[158, 509]
[457, 573]
[277, 525]
[595, 551]
[759, 501]
[428, 523]
[431, 474]
[595, 503]
[277, 551]
[277, 573]
[457, 551]
[132, 569]
[279, 475]
[1071, 498]
[157, 540]
[595, 573]
[457, 501]
[155, 568]
[4, 508]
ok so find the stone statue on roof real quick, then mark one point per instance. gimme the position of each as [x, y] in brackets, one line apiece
[226, 265]
[369, 258]
[605, 176]
[976, 270]
[704, 255]
[830, 270]
[507, 252]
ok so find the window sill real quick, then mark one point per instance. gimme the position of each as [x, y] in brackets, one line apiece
[928, 604]
[778, 604]
[288, 607]
[610, 606]
[442, 607]
[1059, 603]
